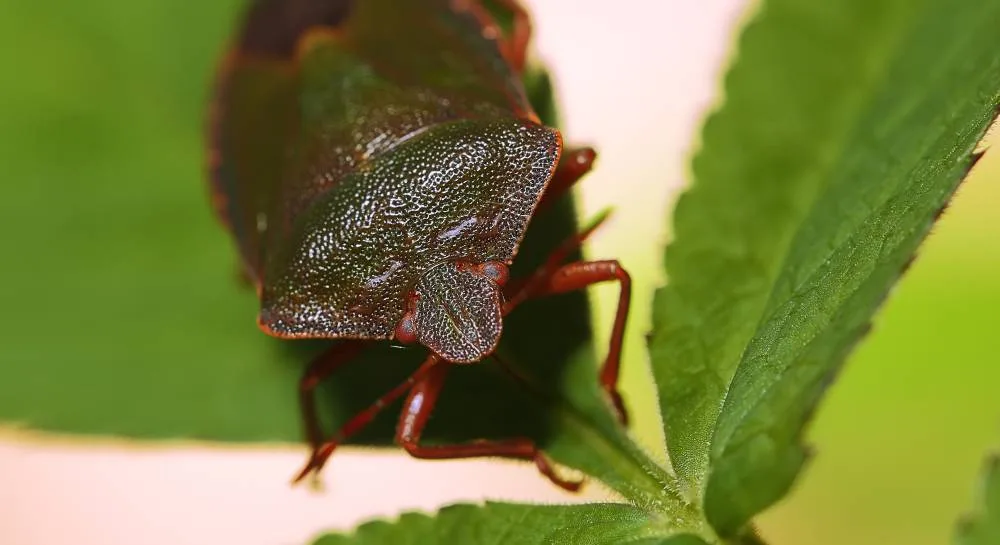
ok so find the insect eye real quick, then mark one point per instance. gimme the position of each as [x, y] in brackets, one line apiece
[496, 271]
[406, 330]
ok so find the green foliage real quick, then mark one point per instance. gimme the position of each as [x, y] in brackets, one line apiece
[846, 128]
[984, 528]
[593, 524]
[130, 318]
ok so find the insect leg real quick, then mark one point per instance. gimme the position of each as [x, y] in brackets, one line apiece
[573, 165]
[577, 276]
[417, 410]
[320, 368]
[516, 45]
[321, 451]
[519, 290]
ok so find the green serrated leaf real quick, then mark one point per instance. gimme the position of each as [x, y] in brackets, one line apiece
[984, 527]
[497, 523]
[846, 127]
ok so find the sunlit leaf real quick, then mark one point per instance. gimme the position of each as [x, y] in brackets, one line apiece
[983, 528]
[846, 128]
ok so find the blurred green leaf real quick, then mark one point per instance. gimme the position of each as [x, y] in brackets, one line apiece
[984, 528]
[846, 128]
[593, 524]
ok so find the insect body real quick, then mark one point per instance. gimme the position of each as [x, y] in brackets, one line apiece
[378, 164]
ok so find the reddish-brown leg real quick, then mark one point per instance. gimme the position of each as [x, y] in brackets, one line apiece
[417, 410]
[552, 279]
[518, 290]
[321, 451]
[320, 368]
[515, 46]
[573, 165]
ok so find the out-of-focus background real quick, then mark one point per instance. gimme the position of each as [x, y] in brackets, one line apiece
[898, 440]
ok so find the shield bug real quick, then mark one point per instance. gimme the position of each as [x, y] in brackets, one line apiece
[377, 163]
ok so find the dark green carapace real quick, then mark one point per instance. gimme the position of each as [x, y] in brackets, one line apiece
[350, 172]
[378, 164]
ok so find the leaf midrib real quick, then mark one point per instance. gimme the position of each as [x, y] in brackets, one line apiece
[840, 144]
[873, 212]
